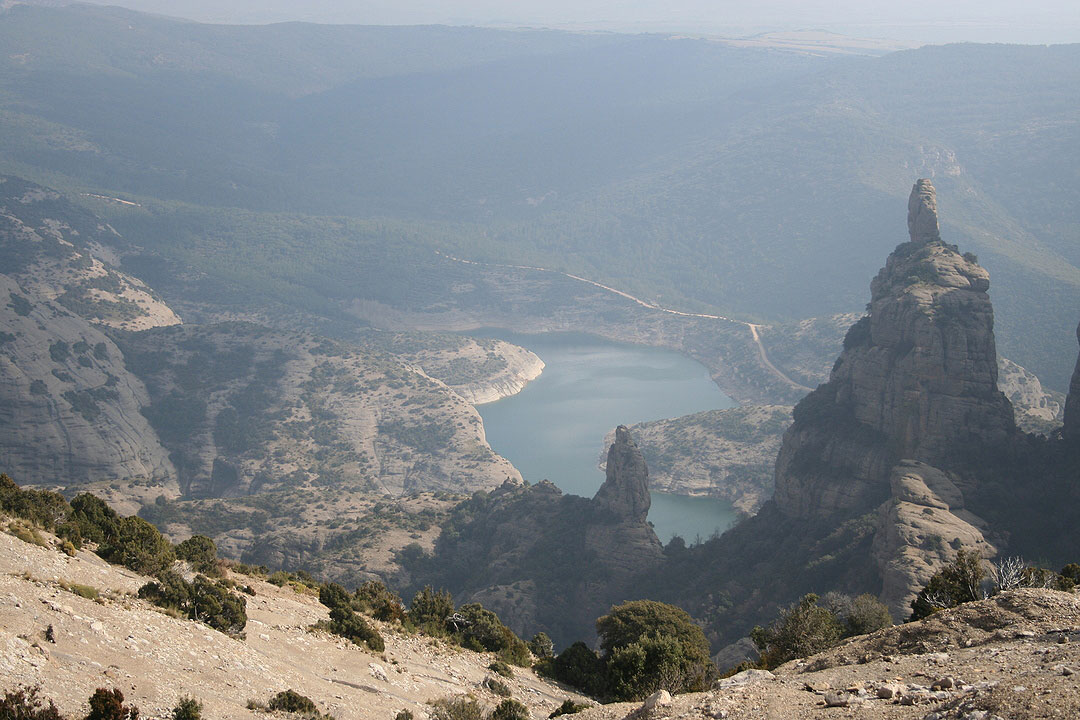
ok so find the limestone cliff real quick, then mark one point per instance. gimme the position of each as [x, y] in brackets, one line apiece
[1072, 405]
[69, 410]
[917, 379]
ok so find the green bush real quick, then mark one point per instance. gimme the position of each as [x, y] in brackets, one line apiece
[578, 666]
[541, 646]
[383, 604]
[25, 704]
[187, 709]
[334, 596]
[404, 715]
[108, 704]
[201, 552]
[479, 629]
[90, 520]
[459, 708]
[497, 686]
[139, 546]
[344, 621]
[291, 701]
[803, 629]
[43, 508]
[501, 668]
[866, 615]
[661, 648]
[429, 610]
[957, 583]
[510, 709]
[569, 707]
[204, 600]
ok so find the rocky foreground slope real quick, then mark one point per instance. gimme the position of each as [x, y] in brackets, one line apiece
[1012, 656]
[1015, 656]
[119, 641]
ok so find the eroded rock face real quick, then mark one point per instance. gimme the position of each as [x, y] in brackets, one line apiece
[69, 410]
[1072, 405]
[919, 532]
[917, 379]
[625, 492]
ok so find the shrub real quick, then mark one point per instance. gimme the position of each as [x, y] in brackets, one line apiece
[25, 704]
[541, 646]
[108, 704]
[479, 629]
[671, 651]
[569, 707]
[293, 702]
[639, 669]
[86, 591]
[803, 629]
[333, 595]
[580, 667]
[201, 552]
[459, 708]
[187, 709]
[90, 520]
[501, 668]
[43, 508]
[139, 546]
[404, 715]
[866, 615]
[204, 600]
[429, 609]
[345, 622]
[375, 598]
[957, 583]
[510, 709]
[497, 686]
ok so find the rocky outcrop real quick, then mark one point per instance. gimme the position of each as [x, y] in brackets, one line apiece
[69, 409]
[917, 380]
[1038, 409]
[728, 454]
[625, 492]
[542, 559]
[1072, 405]
[920, 530]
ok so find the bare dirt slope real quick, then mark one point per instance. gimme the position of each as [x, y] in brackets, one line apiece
[154, 659]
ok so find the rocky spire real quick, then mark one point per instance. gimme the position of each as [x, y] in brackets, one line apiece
[922, 220]
[917, 380]
[625, 491]
[1072, 405]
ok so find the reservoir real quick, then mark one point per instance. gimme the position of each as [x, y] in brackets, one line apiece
[554, 429]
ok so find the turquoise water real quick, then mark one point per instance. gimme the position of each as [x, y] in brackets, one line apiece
[554, 428]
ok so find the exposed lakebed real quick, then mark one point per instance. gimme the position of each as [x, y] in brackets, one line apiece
[555, 427]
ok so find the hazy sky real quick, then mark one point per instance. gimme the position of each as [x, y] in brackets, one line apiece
[918, 20]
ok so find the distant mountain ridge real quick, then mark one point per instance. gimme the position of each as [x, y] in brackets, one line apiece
[661, 165]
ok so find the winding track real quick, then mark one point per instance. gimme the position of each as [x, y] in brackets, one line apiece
[762, 354]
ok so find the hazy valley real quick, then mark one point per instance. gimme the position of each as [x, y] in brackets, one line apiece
[253, 281]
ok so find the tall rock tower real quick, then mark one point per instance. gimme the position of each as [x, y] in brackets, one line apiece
[917, 379]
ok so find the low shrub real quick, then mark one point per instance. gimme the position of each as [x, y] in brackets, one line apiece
[541, 646]
[187, 709]
[108, 704]
[802, 629]
[510, 709]
[497, 686]
[501, 668]
[569, 707]
[344, 621]
[203, 600]
[458, 708]
[26, 704]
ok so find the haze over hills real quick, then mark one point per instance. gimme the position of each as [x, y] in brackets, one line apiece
[240, 265]
[661, 165]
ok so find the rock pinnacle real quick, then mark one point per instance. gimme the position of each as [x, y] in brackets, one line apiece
[922, 220]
